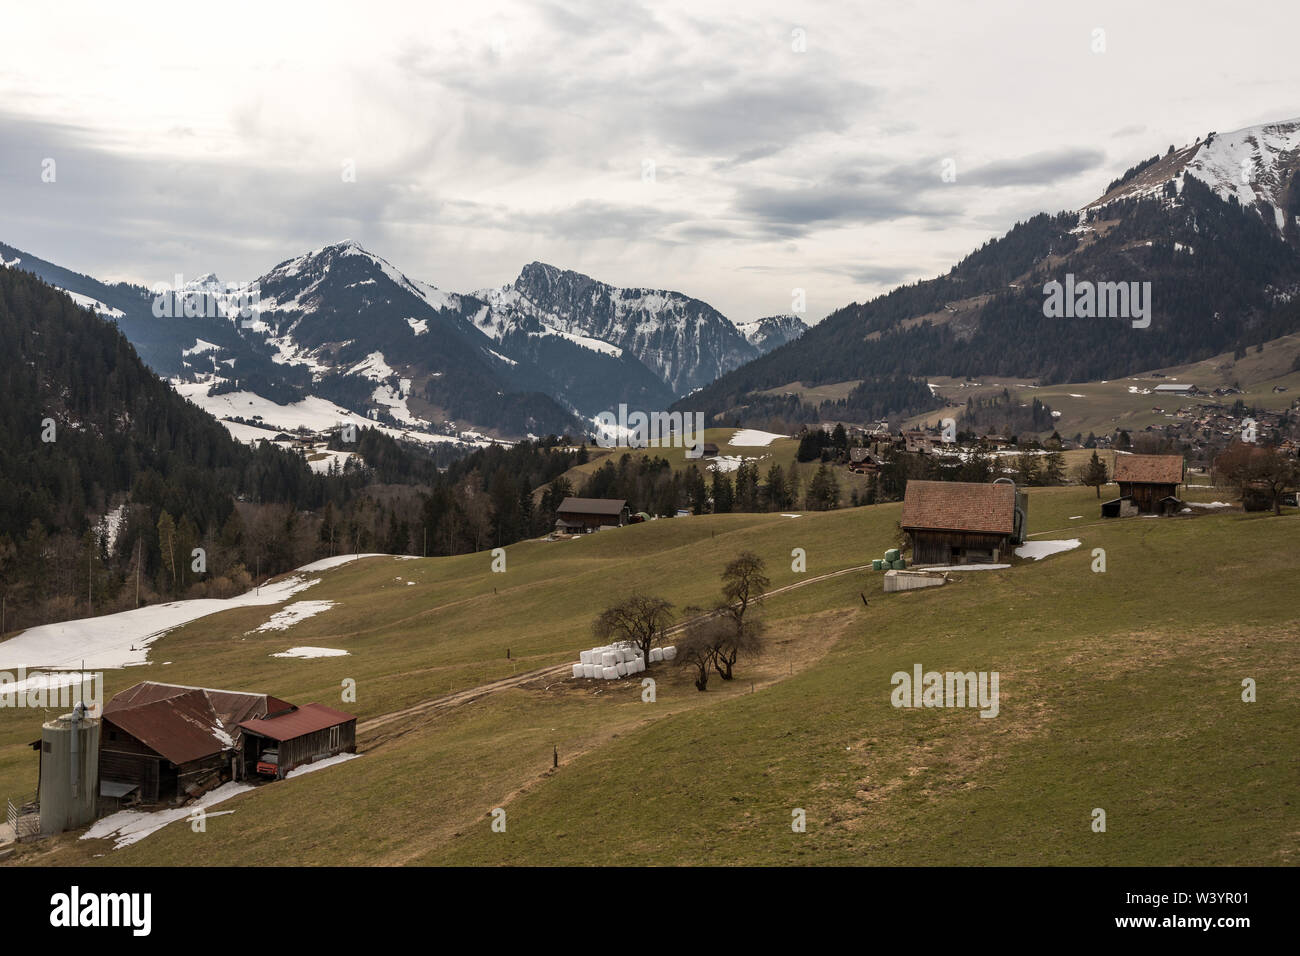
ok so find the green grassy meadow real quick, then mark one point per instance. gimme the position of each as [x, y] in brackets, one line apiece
[1119, 690]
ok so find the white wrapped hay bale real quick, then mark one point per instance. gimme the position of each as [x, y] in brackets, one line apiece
[588, 670]
[585, 657]
[656, 655]
[608, 659]
[639, 665]
[621, 667]
[577, 669]
[611, 673]
[670, 652]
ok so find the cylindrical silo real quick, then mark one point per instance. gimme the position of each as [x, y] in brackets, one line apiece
[69, 771]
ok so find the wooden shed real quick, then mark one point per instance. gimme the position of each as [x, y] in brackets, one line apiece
[590, 514]
[302, 736]
[960, 522]
[1150, 482]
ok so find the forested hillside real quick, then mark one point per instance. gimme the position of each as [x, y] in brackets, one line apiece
[1221, 278]
[110, 481]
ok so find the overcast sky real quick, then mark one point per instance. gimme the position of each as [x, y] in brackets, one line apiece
[731, 151]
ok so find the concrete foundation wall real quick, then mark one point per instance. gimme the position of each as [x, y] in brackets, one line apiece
[911, 580]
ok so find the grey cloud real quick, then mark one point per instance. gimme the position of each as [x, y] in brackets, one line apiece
[793, 210]
[869, 274]
[1038, 169]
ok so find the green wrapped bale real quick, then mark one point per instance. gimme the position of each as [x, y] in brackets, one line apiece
[891, 555]
[899, 564]
[877, 565]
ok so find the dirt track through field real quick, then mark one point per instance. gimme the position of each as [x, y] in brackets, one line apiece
[470, 694]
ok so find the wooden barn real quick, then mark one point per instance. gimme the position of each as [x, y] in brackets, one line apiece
[960, 522]
[302, 736]
[166, 742]
[577, 515]
[1150, 482]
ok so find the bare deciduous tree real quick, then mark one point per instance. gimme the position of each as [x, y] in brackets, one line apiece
[639, 618]
[736, 638]
[698, 644]
[744, 582]
[1245, 466]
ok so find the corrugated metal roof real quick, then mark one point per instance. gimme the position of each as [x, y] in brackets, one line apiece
[181, 728]
[592, 506]
[231, 706]
[960, 506]
[305, 720]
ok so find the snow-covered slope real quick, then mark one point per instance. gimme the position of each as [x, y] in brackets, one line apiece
[1255, 166]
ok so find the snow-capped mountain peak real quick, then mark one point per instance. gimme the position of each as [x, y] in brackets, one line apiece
[682, 340]
[1257, 166]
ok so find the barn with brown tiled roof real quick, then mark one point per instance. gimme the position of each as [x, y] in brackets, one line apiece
[1150, 482]
[960, 522]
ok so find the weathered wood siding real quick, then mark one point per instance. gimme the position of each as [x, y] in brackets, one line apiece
[958, 547]
[308, 748]
[1146, 495]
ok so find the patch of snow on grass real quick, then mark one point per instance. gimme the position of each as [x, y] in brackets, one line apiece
[131, 826]
[123, 639]
[307, 653]
[320, 765]
[752, 438]
[291, 614]
[324, 564]
[1044, 549]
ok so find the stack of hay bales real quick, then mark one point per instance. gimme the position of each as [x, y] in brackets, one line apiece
[658, 654]
[892, 561]
[611, 661]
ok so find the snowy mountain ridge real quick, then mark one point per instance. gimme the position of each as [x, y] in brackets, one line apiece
[1255, 166]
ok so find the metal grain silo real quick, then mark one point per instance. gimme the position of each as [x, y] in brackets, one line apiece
[69, 771]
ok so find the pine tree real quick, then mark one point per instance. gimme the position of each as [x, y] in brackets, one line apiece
[1054, 468]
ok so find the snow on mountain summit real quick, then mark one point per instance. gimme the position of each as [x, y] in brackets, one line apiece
[1256, 166]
